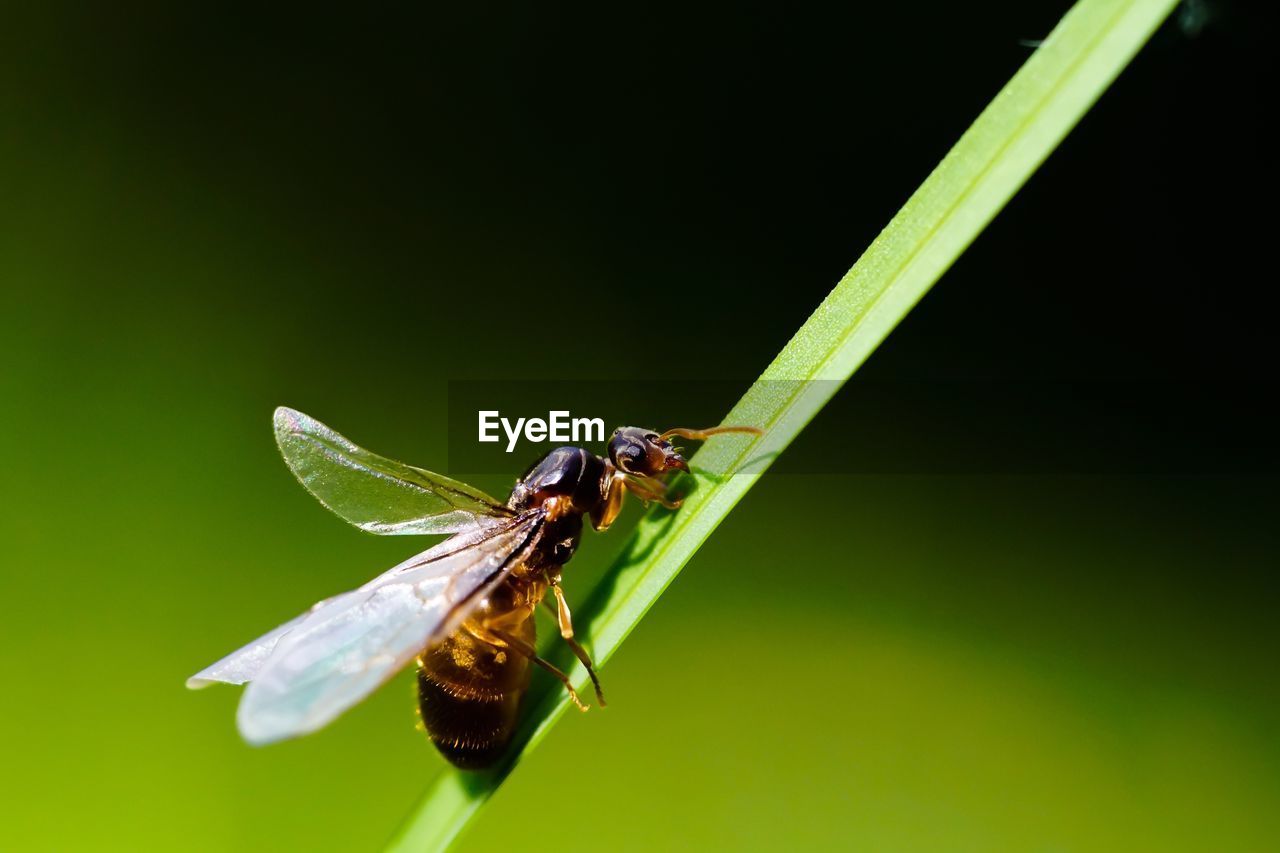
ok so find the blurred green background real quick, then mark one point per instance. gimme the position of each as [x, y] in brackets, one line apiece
[212, 209]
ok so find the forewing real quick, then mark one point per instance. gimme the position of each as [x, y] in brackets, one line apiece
[374, 493]
[344, 649]
[243, 664]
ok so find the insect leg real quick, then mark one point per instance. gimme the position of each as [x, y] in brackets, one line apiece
[565, 620]
[531, 653]
[604, 515]
[649, 490]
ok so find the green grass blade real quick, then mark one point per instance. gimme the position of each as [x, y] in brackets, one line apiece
[999, 152]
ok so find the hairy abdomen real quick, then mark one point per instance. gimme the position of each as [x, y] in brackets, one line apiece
[469, 695]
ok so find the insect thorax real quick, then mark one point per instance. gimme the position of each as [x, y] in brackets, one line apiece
[564, 472]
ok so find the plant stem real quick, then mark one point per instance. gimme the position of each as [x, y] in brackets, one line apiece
[991, 161]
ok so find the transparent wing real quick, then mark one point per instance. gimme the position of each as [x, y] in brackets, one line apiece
[308, 671]
[243, 664]
[374, 493]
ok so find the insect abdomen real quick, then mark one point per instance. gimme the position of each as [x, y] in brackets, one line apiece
[469, 695]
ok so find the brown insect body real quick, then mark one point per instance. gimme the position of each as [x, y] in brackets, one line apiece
[469, 689]
[471, 684]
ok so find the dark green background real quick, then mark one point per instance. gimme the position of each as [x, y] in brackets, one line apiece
[207, 210]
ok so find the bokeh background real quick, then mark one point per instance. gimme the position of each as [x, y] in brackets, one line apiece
[207, 210]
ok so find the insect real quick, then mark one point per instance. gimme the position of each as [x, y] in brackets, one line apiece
[462, 609]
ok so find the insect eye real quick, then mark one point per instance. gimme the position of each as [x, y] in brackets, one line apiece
[651, 437]
[630, 459]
